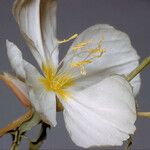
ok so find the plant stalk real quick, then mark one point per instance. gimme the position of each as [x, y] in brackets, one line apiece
[139, 69]
[144, 114]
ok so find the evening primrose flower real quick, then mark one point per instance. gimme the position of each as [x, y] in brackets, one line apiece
[99, 105]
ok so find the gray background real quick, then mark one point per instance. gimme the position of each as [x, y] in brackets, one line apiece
[74, 16]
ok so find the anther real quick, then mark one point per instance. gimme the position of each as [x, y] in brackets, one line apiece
[101, 41]
[69, 39]
[80, 63]
[81, 45]
[97, 50]
[82, 70]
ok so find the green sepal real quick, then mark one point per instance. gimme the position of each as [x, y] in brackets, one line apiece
[28, 125]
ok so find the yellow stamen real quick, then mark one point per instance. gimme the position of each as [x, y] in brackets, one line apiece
[99, 49]
[83, 71]
[81, 45]
[58, 83]
[69, 39]
[49, 71]
[101, 41]
[96, 50]
[80, 63]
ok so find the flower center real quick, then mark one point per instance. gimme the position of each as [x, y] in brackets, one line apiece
[58, 83]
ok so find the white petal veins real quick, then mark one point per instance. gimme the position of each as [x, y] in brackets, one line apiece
[37, 22]
[119, 57]
[102, 111]
[15, 58]
[43, 101]
[101, 115]
[45, 104]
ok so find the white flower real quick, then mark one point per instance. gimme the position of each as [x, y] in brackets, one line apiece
[99, 106]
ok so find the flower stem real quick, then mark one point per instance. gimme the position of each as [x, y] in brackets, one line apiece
[133, 74]
[129, 143]
[15, 124]
[144, 114]
[139, 69]
[16, 140]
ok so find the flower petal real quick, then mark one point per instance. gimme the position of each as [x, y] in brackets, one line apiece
[120, 57]
[15, 58]
[44, 102]
[101, 115]
[18, 87]
[37, 22]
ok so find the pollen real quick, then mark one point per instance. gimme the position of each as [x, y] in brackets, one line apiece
[90, 54]
[58, 83]
[81, 45]
[97, 50]
[81, 65]
[83, 70]
[69, 39]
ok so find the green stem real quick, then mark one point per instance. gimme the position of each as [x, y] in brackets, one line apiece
[129, 143]
[139, 69]
[144, 114]
[14, 146]
[16, 140]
